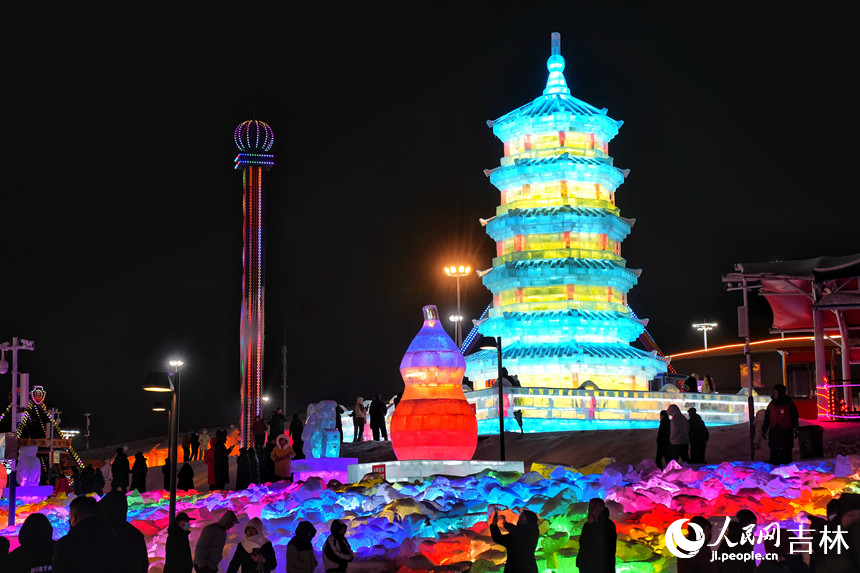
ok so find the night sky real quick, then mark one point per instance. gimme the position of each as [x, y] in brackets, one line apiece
[121, 211]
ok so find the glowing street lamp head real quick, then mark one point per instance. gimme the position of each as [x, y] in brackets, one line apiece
[458, 270]
[175, 364]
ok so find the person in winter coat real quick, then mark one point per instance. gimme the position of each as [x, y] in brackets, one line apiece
[185, 480]
[221, 459]
[281, 455]
[120, 470]
[520, 541]
[209, 459]
[255, 552]
[664, 446]
[597, 540]
[276, 423]
[243, 470]
[359, 416]
[91, 546]
[708, 386]
[699, 435]
[113, 507]
[177, 554]
[89, 483]
[107, 478]
[701, 561]
[205, 440]
[679, 434]
[254, 465]
[378, 409]
[36, 549]
[210, 544]
[300, 550]
[186, 447]
[296, 429]
[337, 554]
[780, 426]
[267, 464]
[258, 428]
[138, 473]
[195, 446]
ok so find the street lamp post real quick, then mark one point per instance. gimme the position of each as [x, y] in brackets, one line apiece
[501, 387]
[458, 271]
[169, 382]
[15, 346]
[704, 327]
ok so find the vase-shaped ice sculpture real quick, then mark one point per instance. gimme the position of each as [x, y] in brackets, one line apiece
[433, 420]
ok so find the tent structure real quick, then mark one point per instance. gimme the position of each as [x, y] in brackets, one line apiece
[822, 296]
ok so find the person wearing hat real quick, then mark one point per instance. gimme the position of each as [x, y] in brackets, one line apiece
[178, 552]
[337, 554]
[300, 550]
[699, 435]
[210, 545]
[254, 553]
[281, 455]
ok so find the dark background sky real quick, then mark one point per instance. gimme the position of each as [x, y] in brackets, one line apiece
[121, 212]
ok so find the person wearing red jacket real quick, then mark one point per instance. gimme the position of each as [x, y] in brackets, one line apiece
[209, 458]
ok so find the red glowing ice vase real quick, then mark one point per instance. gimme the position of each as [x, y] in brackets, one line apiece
[433, 420]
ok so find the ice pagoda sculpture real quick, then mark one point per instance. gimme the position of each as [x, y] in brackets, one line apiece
[558, 280]
[433, 420]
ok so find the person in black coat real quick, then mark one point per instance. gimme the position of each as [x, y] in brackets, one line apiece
[378, 409]
[520, 541]
[267, 466]
[663, 444]
[276, 423]
[254, 464]
[296, 429]
[243, 470]
[177, 554]
[597, 540]
[186, 477]
[120, 470]
[88, 480]
[221, 459]
[91, 546]
[780, 425]
[113, 507]
[699, 435]
[36, 549]
[195, 445]
[138, 473]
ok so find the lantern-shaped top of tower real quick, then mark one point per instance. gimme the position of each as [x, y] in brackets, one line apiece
[254, 136]
[555, 110]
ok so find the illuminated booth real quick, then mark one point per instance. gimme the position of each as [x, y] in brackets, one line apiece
[558, 280]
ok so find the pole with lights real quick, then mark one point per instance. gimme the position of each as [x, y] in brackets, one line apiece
[169, 382]
[704, 328]
[496, 344]
[14, 347]
[458, 271]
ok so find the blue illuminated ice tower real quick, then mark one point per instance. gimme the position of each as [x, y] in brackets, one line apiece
[558, 280]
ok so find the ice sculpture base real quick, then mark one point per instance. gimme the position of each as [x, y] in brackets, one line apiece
[39, 492]
[408, 470]
[325, 468]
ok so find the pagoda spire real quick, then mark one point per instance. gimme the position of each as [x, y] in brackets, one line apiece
[555, 83]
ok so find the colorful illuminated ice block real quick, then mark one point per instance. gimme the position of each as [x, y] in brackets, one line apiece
[558, 280]
[254, 140]
[433, 420]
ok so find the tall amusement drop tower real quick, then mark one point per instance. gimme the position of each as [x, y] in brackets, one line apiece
[558, 280]
[254, 140]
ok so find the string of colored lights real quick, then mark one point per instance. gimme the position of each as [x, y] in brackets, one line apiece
[254, 140]
[558, 280]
